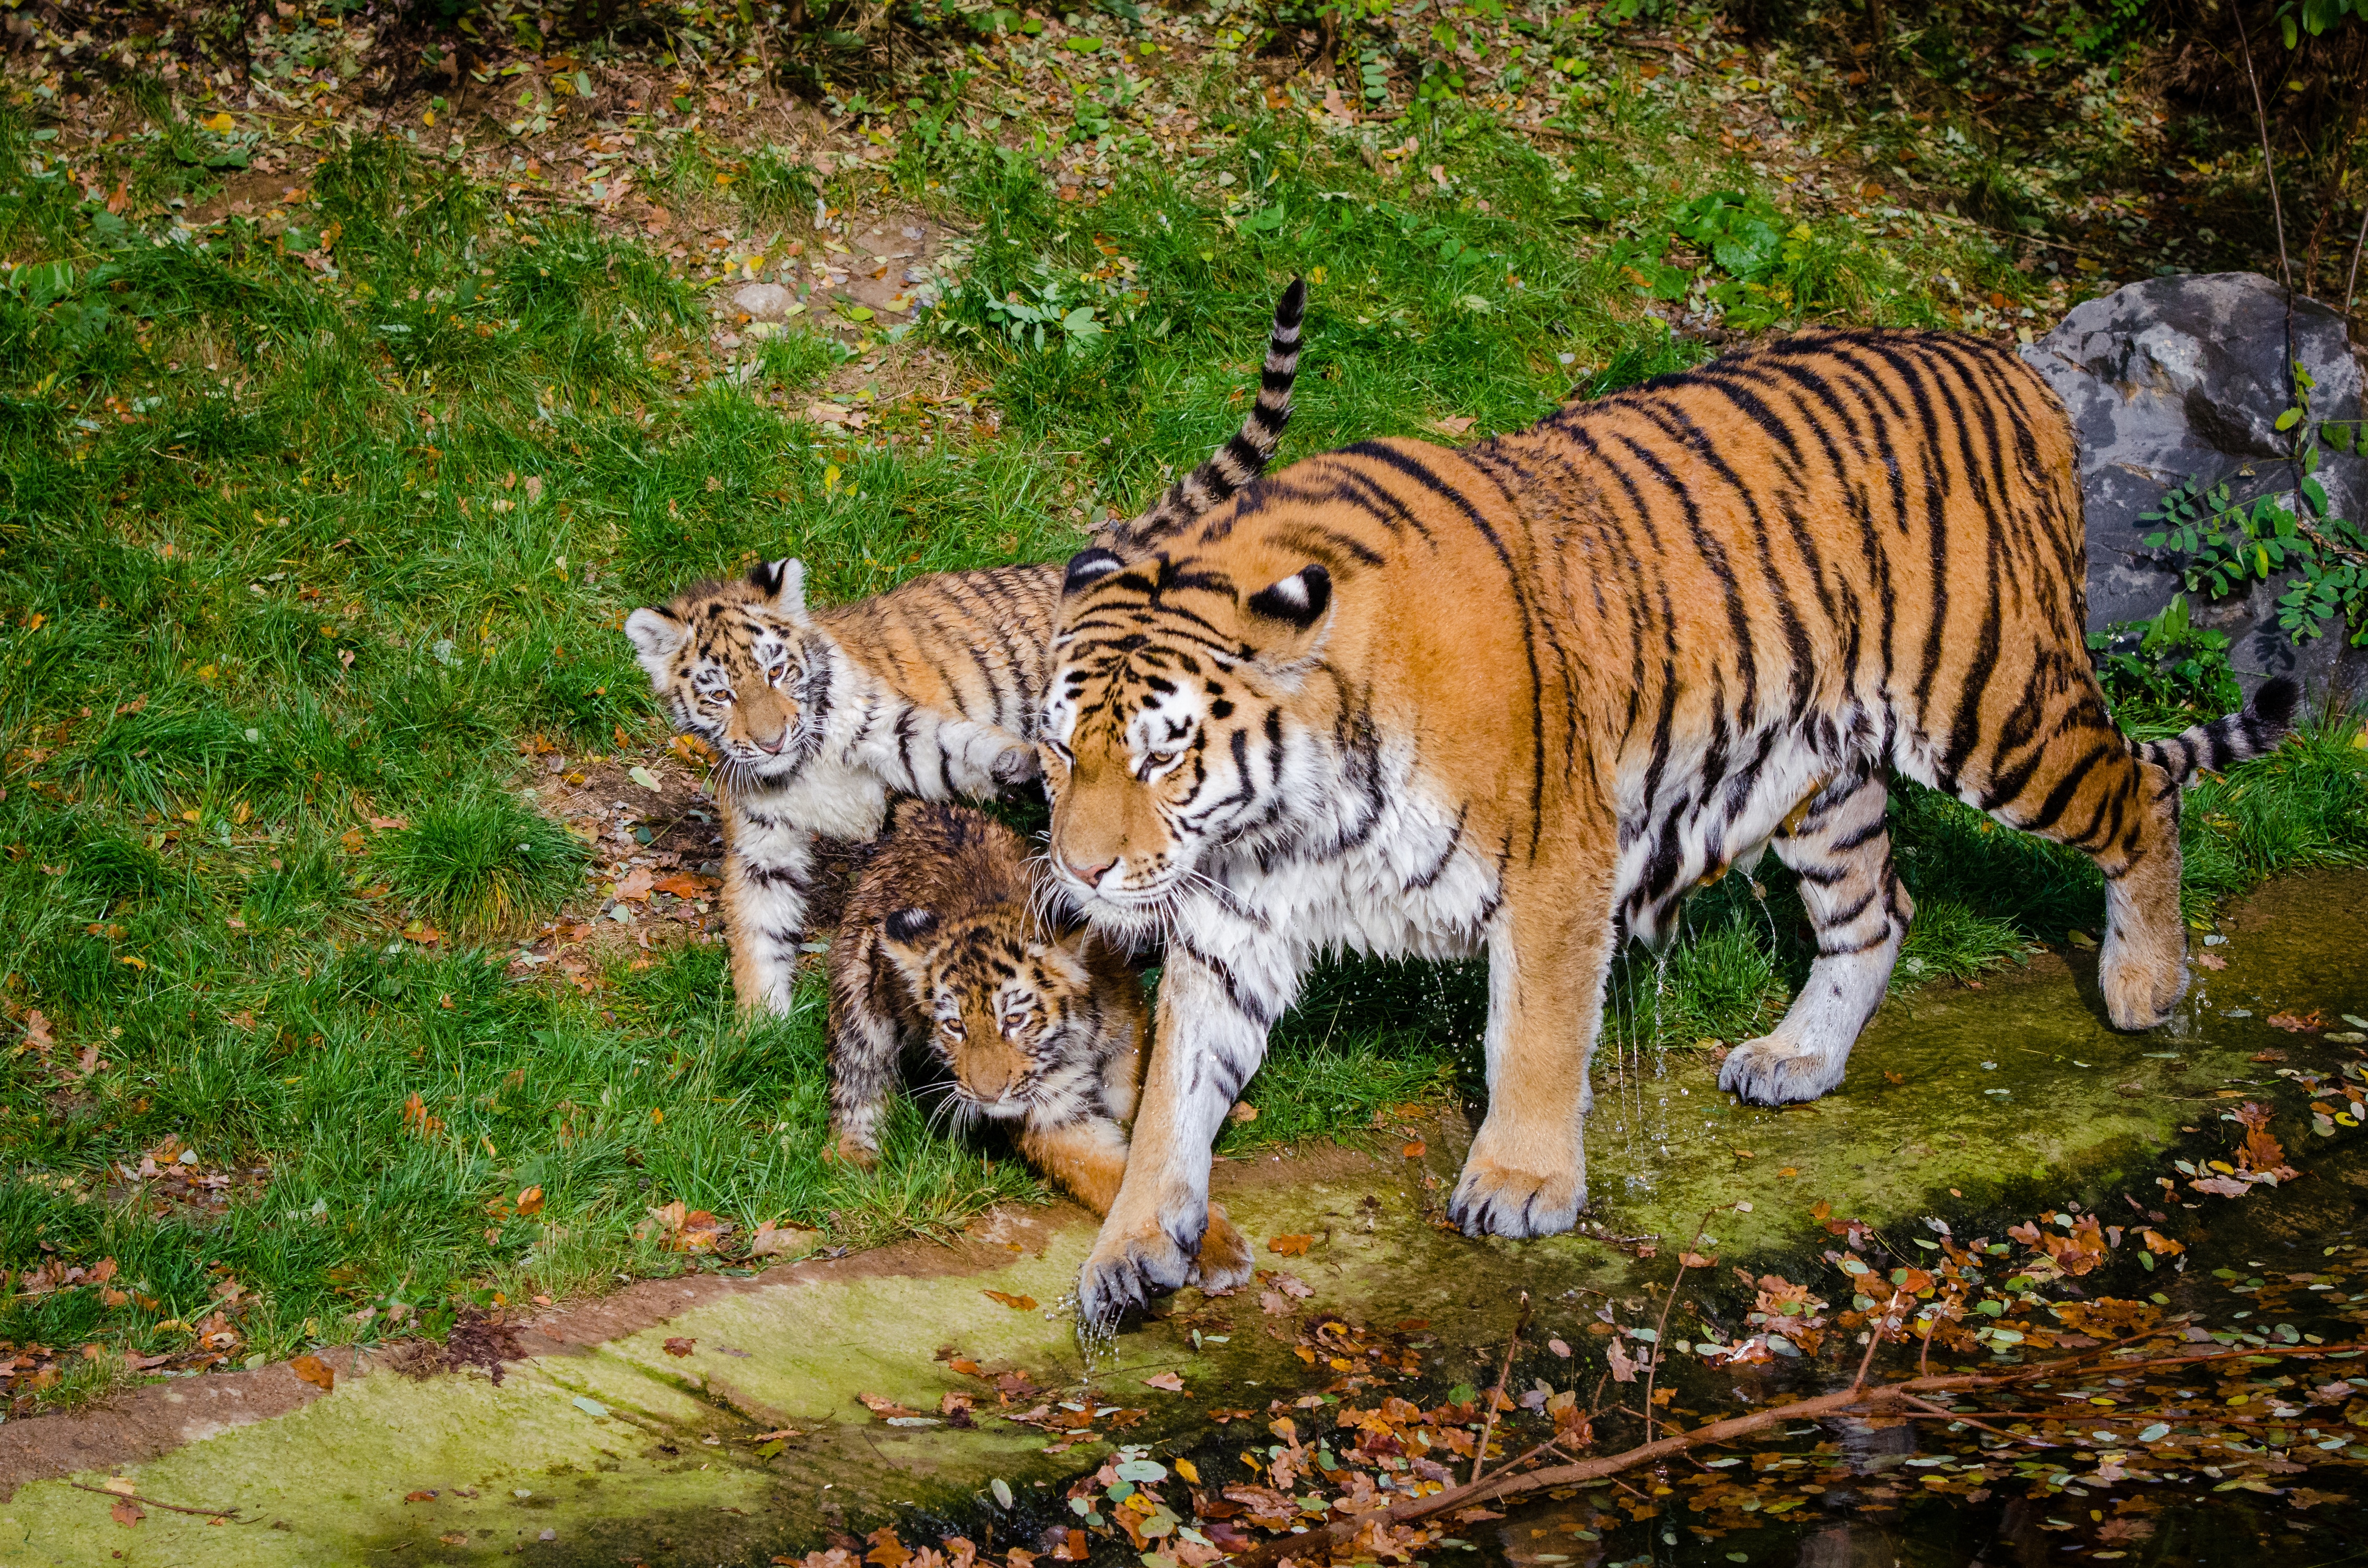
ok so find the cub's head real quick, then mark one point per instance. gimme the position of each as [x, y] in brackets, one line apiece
[741, 667]
[1165, 726]
[1008, 1005]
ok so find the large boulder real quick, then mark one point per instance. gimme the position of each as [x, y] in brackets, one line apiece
[2177, 378]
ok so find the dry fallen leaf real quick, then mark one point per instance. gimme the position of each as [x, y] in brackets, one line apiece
[684, 884]
[1017, 1304]
[128, 1514]
[1559, 1347]
[681, 1346]
[530, 1202]
[313, 1370]
[636, 884]
[2212, 960]
[1169, 1381]
[37, 1034]
[780, 1241]
[419, 1496]
[2298, 1023]
[1454, 425]
[1290, 1247]
[1242, 1111]
[1413, 1150]
[122, 1485]
[1696, 1260]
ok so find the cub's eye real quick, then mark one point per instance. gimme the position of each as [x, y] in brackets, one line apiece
[1158, 762]
[952, 1029]
[776, 672]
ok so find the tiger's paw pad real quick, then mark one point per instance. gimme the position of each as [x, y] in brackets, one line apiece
[847, 1148]
[1126, 1271]
[1015, 764]
[1497, 1200]
[1767, 1071]
[1225, 1261]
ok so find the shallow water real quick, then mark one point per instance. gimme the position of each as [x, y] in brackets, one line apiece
[1978, 1107]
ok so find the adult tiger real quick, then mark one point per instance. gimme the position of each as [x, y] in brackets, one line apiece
[1517, 699]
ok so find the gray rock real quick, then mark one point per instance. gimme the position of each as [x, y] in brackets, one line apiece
[764, 301]
[2184, 377]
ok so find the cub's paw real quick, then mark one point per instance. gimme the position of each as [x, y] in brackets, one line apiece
[850, 1149]
[1126, 1269]
[1498, 1200]
[1769, 1071]
[1225, 1262]
[1017, 764]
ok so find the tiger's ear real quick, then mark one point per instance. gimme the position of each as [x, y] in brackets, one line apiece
[654, 635]
[1089, 566]
[905, 930]
[1300, 599]
[783, 584]
[906, 927]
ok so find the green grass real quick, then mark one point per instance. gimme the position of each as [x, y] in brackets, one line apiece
[292, 565]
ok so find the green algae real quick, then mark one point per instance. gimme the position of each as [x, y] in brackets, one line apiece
[1959, 1102]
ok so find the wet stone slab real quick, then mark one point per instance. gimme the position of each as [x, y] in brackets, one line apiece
[750, 1433]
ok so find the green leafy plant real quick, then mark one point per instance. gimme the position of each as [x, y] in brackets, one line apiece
[2228, 542]
[2164, 667]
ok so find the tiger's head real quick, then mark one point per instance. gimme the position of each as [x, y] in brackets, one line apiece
[741, 667]
[1165, 728]
[1009, 1006]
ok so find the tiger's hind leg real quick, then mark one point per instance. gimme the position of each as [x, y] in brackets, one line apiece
[2097, 797]
[1841, 849]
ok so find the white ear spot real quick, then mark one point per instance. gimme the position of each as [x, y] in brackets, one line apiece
[654, 634]
[789, 598]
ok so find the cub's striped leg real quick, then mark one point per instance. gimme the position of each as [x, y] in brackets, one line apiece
[1548, 953]
[1209, 1037]
[768, 861]
[865, 1044]
[1841, 848]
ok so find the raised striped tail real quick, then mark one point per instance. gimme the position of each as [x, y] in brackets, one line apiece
[1242, 458]
[2253, 731]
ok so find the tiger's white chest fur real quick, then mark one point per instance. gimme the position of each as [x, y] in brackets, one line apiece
[1368, 858]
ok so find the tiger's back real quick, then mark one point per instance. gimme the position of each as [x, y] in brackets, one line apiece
[1522, 696]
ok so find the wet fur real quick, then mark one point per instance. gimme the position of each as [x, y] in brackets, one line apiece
[943, 945]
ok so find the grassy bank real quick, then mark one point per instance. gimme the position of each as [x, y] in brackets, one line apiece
[335, 451]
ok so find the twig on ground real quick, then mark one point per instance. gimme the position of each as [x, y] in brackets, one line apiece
[1488, 1418]
[152, 1503]
[1660, 1329]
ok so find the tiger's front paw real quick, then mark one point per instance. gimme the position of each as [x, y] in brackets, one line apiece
[1225, 1262]
[1127, 1268]
[1769, 1071]
[1017, 764]
[1493, 1199]
[855, 1150]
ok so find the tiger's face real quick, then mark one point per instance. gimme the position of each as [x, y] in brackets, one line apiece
[1009, 1010]
[1162, 731]
[741, 667]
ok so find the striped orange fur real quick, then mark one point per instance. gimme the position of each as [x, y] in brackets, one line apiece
[1517, 699]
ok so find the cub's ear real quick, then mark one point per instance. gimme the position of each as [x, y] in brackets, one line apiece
[1299, 599]
[654, 635]
[783, 583]
[1089, 566]
[908, 926]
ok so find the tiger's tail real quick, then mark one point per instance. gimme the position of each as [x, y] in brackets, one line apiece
[1242, 458]
[2252, 731]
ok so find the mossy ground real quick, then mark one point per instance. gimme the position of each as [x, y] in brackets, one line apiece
[322, 506]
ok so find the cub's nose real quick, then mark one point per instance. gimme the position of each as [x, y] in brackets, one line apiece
[1089, 875]
[773, 746]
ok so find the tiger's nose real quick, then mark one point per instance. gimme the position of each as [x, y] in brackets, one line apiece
[773, 746]
[1089, 875]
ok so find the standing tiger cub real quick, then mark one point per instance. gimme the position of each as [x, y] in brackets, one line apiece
[1518, 698]
[931, 690]
[943, 942]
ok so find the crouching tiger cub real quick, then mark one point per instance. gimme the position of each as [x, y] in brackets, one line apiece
[944, 942]
[1517, 699]
[931, 690]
